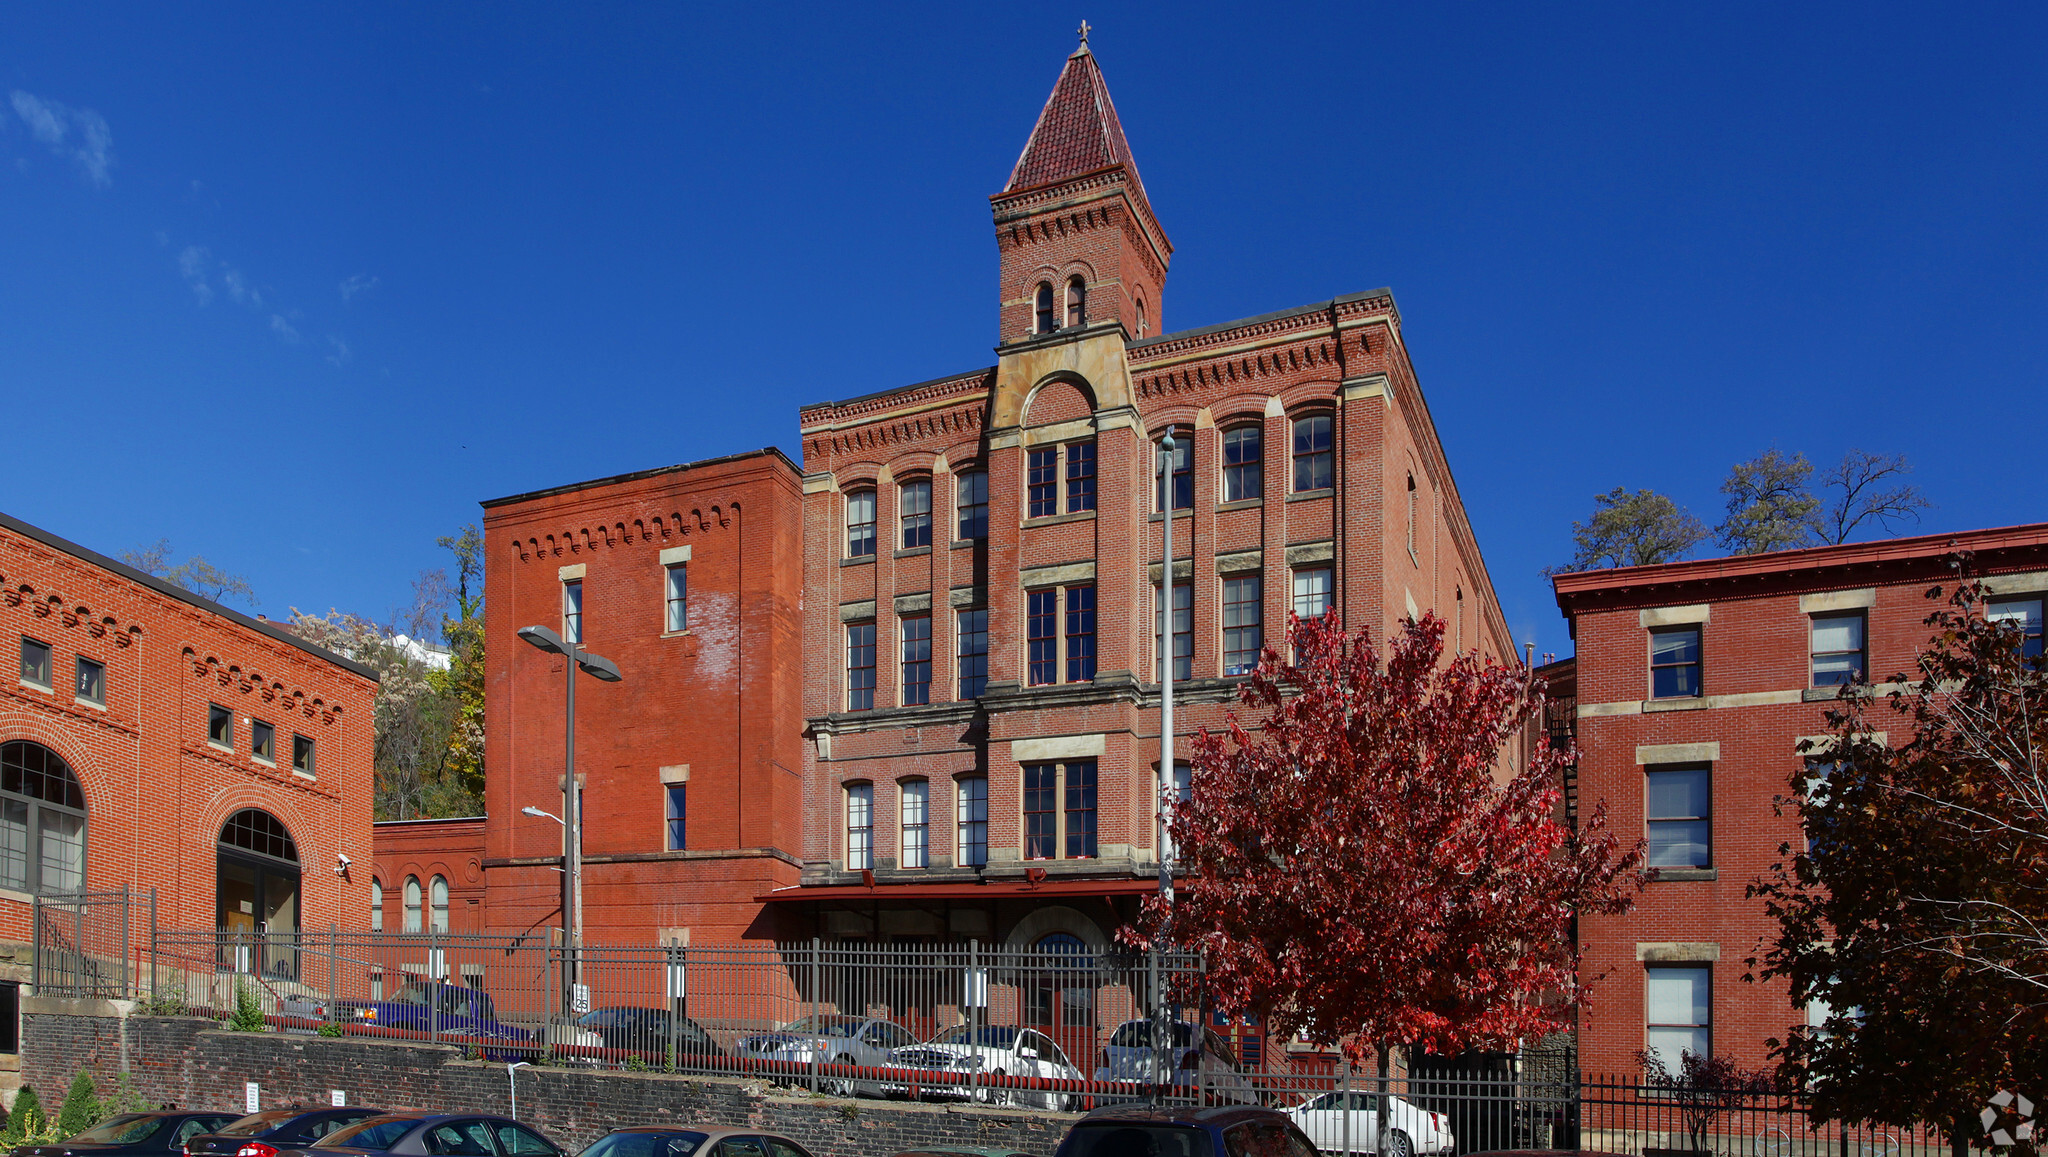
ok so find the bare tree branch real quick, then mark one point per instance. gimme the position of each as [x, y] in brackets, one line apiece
[1862, 494]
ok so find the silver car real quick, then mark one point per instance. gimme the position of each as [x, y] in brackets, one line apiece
[1130, 1058]
[830, 1039]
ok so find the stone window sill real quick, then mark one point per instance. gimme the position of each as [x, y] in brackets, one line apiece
[1679, 875]
[863, 560]
[1312, 495]
[1056, 519]
[1691, 703]
[1155, 516]
[966, 543]
[1241, 504]
[910, 552]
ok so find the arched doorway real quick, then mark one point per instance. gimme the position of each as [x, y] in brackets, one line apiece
[256, 890]
[42, 821]
[1060, 1001]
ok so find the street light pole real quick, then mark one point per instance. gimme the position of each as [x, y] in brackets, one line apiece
[1162, 1021]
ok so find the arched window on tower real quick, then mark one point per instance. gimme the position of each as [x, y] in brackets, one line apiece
[1143, 321]
[1046, 321]
[1077, 302]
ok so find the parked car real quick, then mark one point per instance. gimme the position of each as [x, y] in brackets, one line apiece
[996, 1051]
[960, 1151]
[1130, 1057]
[831, 1039]
[1411, 1131]
[670, 1141]
[263, 1134]
[139, 1134]
[434, 1006]
[1186, 1131]
[646, 1030]
[435, 1134]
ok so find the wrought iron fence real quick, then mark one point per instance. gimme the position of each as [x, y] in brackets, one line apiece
[84, 942]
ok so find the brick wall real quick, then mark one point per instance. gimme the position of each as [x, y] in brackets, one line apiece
[191, 1063]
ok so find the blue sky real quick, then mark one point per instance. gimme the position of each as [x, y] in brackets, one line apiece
[294, 286]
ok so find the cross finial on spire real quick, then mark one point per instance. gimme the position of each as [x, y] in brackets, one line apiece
[1084, 34]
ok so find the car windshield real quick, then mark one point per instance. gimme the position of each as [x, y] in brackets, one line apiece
[128, 1129]
[411, 994]
[256, 1123]
[1115, 1139]
[375, 1133]
[993, 1036]
[1137, 1034]
[826, 1025]
[646, 1144]
[604, 1017]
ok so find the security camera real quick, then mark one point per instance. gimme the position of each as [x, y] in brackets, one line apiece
[341, 863]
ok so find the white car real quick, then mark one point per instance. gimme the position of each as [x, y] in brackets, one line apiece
[1412, 1132]
[1130, 1057]
[829, 1039]
[995, 1051]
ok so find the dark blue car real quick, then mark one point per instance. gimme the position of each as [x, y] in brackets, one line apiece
[432, 1006]
[433, 1135]
[263, 1134]
[1190, 1131]
[133, 1135]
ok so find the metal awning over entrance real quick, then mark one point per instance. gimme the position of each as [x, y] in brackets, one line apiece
[962, 890]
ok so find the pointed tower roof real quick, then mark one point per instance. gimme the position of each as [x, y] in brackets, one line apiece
[1077, 133]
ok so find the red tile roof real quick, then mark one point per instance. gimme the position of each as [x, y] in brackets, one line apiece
[1077, 133]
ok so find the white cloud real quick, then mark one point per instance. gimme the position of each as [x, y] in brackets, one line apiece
[340, 354]
[79, 134]
[358, 284]
[283, 328]
[239, 289]
[193, 262]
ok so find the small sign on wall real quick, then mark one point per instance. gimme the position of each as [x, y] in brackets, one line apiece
[337, 1098]
[252, 1097]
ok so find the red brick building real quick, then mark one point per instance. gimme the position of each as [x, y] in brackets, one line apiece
[982, 555]
[158, 740]
[687, 577]
[1695, 683]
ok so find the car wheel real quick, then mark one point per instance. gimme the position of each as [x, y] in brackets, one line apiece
[840, 1086]
[1398, 1145]
[996, 1096]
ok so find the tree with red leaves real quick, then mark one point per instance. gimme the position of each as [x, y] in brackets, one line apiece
[1355, 873]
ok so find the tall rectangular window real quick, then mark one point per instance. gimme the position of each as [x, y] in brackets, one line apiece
[860, 827]
[92, 681]
[302, 754]
[572, 611]
[1080, 477]
[973, 506]
[914, 509]
[1243, 464]
[1179, 476]
[220, 726]
[1311, 593]
[1677, 1012]
[1679, 816]
[860, 524]
[860, 666]
[1675, 663]
[262, 741]
[1080, 634]
[916, 824]
[1042, 482]
[678, 802]
[1041, 821]
[1080, 815]
[1243, 630]
[1042, 644]
[1183, 632]
[1837, 649]
[35, 663]
[972, 637]
[2024, 616]
[972, 811]
[917, 660]
[677, 598]
[1312, 460]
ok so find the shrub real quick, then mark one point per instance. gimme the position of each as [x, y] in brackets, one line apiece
[170, 1001]
[126, 1098]
[81, 1110]
[248, 1015]
[27, 1118]
[329, 1030]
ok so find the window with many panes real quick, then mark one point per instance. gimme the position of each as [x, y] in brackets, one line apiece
[42, 820]
[1677, 1011]
[917, 660]
[1077, 301]
[1174, 473]
[676, 600]
[1675, 663]
[971, 639]
[1059, 810]
[1183, 632]
[860, 666]
[572, 611]
[1837, 646]
[972, 505]
[971, 812]
[1041, 637]
[1051, 488]
[860, 524]
[860, 826]
[1080, 634]
[92, 681]
[35, 663]
[916, 839]
[2023, 616]
[914, 510]
[1042, 482]
[437, 904]
[1313, 463]
[677, 805]
[413, 922]
[1243, 463]
[1678, 816]
[1044, 318]
[1080, 476]
[1312, 592]
[1243, 632]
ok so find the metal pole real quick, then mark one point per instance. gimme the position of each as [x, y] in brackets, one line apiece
[1162, 839]
[1344, 1102]
[572, 840]
[817, 953]
[333, 997]
[433, 981]
[35, 917]
[127, 910]
[152, 945]
[973, 995]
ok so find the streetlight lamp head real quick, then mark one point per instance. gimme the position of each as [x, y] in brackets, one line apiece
[599, 666]
[543, 638]
[530, 810]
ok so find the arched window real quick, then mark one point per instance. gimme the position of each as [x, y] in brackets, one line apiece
[412, 904]
[1143, 321]
[1312, 456]
[1046, 321]
[914, 508]
[860, 826]
[42, 821]
[437, 896]
[973, 506]
[1180, 474]
[256, 894]
[1411, 514]
[1077, 302]
[1243, 463]
[860, 524]
[1062, 1001]
[376, 905]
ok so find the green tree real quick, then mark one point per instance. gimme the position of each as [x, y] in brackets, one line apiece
[81, 1109]
[26, 1119]
[1769, 505]
[1638, 529]
[195, 574]
[463, 682]
[248, 1014]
